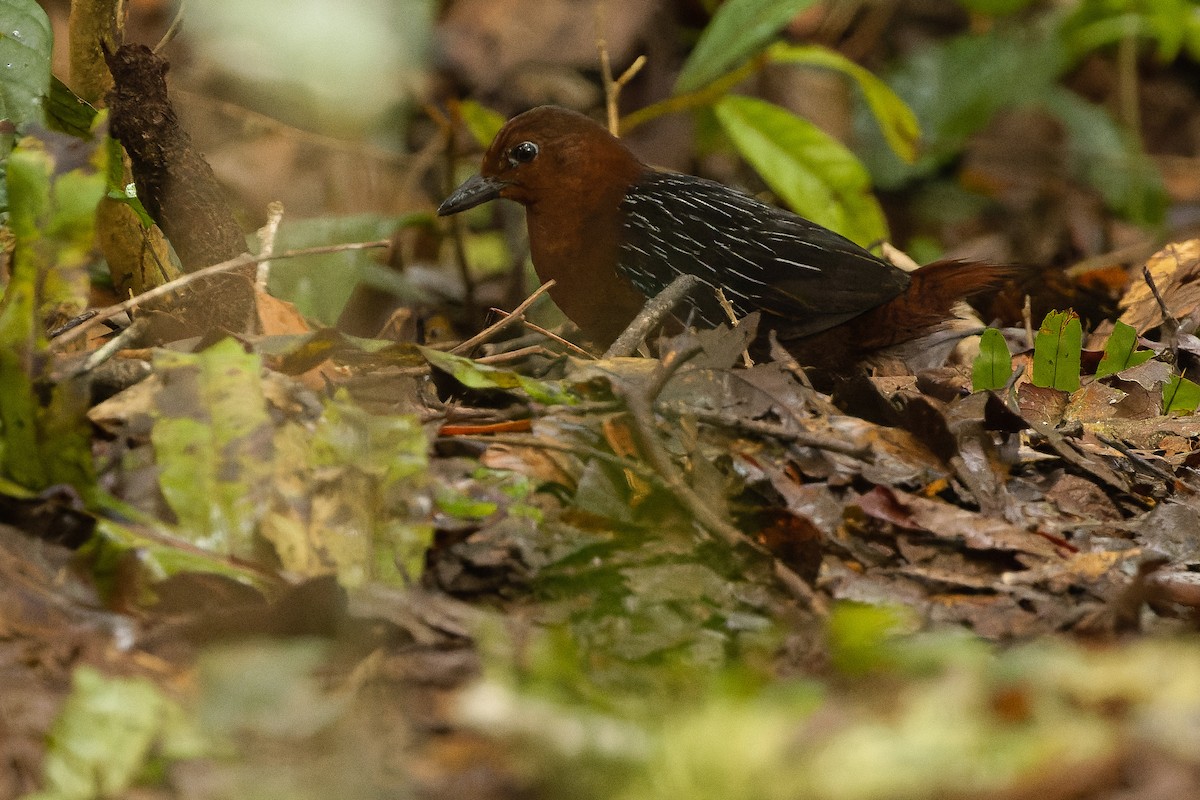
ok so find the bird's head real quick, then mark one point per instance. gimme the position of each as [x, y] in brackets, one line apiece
[551, 155]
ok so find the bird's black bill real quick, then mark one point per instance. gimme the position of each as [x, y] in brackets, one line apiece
[475, 191]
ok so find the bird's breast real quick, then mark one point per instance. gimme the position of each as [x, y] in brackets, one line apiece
[580, 252]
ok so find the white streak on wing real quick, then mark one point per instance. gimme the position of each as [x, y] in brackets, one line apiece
[808, 267]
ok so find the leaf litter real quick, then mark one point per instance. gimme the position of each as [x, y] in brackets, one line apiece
[618, 575]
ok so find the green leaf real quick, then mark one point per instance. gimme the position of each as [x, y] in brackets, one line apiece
[390, 448]
[813, 173]
[462, 506]
[474, 375]
[1056, 351]
[993, 365]
[1191, 35]
[1109, 158]
[481, 121]
[67, 112]
[954, 88]
[129, 197]
[896, 120]
[359, 474]
[213, 445]
[153, 547]
[43, 443]
[320, 285]
[739, 28]
[105, 733]
[25, 42]
[1096, 25]
[1120, 351]
[863, 637]
[1181, 395]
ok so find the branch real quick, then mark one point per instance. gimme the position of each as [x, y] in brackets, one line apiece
[651, 316]
[703, 96]
[512, 319]
[245, 259]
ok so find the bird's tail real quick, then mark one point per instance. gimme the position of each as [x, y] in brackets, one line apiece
[928, 301]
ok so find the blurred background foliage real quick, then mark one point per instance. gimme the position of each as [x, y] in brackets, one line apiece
[1052, 133]
[1063, 134]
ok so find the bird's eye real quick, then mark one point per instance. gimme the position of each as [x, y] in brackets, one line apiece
[523, 153]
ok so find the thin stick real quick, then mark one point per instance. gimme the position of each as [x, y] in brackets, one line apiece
[731, 315]
[801, 438]
[640, 403]
[1169, 322]
[512, 355]
[606, 79]
[266, 240]
[245, 259]
[668, 365]
[585, 453]
[651, 315]
[172, 30]
[612, 87]
[631, 71]
[513, 318]
[110, 348]
[799, 589]
[703, 96]
[555, 337]
[1127, 86]
[1027, 318]
[455, 222]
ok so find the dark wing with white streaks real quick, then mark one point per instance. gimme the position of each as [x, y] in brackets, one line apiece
[803, 277]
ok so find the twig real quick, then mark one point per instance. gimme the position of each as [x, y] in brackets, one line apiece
[802, 438]
[511, 319]
[245, 259]
[668, 365]
[73, 322]
[551, 335]
[586, 453]
[266, 240]
[789, 362]
[651, 316]
[174, 28]
[1127, 86]
[1027, 317]
[109, 348]
[731, 315]
[249, 119]
[697, 99]
[1145, 464]
[512, 355]
[455, 222]
[612, 87]
[1169, 322]
[799, 589]
[780, 355]
[606, 79]
[641, 415]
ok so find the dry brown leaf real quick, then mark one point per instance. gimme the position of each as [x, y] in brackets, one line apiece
[1176, 272]
[278, 317]
[946, 521]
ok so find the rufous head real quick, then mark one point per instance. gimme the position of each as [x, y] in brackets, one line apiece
[546, 154]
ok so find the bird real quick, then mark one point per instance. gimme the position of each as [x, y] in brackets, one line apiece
[613, 232]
